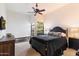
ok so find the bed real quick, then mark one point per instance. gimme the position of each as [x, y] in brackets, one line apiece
[49, 45]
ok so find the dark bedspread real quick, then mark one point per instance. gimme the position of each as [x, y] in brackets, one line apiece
[45, 37]
[49, 45]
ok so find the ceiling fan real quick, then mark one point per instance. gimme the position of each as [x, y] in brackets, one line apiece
[37, 10]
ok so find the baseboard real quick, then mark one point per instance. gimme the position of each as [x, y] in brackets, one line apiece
[22, 39]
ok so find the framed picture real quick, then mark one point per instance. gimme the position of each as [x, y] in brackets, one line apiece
[2, 23]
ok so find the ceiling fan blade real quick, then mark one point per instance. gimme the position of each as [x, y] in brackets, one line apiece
[33, 8]
[42, 10]
[40, 13]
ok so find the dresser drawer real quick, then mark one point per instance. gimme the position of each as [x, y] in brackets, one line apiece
[7, 48]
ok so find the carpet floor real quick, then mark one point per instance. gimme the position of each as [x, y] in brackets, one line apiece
[24, 49]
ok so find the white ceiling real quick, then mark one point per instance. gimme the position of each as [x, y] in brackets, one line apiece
[27, 7]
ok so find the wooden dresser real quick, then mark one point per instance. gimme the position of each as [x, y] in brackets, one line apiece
[7, 47]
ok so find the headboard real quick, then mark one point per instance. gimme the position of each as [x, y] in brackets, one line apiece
[58, 29]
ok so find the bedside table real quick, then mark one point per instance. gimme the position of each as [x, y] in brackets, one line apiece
[74, 43]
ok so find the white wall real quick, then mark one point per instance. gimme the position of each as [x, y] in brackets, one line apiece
[2, 13]
[67, 16]
[50, 22]
[18, 24]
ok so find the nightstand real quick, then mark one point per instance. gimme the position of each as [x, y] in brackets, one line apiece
[74, 43]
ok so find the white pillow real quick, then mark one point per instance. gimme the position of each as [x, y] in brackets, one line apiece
[63, 34]
[60, 34]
